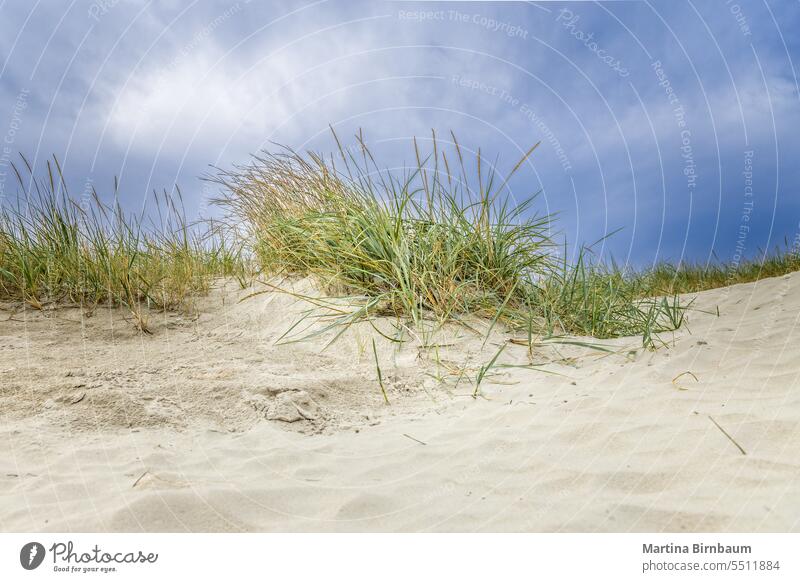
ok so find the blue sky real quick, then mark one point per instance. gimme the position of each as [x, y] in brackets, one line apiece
[673, 121]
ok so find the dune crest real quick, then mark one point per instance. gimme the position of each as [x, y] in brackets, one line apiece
[209, 425]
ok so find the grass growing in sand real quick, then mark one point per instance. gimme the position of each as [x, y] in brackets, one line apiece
[442, 242]
[667, 278]
[55, 250]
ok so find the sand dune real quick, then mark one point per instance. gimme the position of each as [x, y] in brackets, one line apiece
[209, 425]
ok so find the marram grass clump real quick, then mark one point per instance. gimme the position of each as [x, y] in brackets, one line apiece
[440, 242]
[417, 245]
[55, 250]
[668, 278]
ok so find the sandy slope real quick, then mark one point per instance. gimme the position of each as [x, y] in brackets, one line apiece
[104, 429]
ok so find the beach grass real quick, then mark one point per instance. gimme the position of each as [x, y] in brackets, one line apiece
[667, 278]
[56, 250]
[442, 242]
[414, 245]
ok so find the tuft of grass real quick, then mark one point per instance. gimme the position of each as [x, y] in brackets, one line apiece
[484, 369]
[668, 278]
[592, 299]
[55, 250]
[422, 244]
[440, 242]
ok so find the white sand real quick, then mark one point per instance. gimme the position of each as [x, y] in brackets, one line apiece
[105, 429]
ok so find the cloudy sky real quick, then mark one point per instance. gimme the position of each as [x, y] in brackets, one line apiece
[674, 121]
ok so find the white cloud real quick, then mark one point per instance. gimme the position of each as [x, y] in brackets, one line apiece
[194, 100]
[203, 97]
